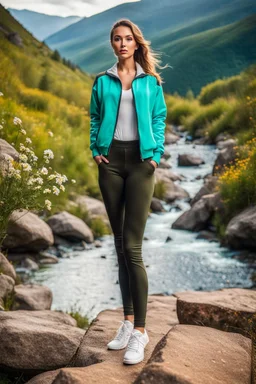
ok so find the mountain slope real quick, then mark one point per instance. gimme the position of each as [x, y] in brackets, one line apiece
[164, 24]
[42, 25]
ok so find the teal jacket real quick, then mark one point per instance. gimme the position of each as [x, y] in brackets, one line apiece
[150, 110]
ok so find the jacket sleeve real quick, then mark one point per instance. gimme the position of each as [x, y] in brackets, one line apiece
[94, 119]
[159, 114]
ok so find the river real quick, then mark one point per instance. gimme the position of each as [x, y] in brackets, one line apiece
[87, 280]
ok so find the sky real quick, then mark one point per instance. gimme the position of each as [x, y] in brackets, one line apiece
[64, 7]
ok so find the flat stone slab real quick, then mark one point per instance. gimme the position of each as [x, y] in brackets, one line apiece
[191, 354]
[228, 309]
[101, 365]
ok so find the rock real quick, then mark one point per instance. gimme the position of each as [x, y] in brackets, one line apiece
[94, 207]
[15, 38]
[6, 288]
[156, 205]
[161, 316]
[241, 230]
[32, 297]
[228, 309]
[166, 155]
[163, 164]
[6, 267]
[222, 137]
[166, 175]
[226, 143]
[207, 235]
[226, 156]
[66, 225]
[209, 186]
[205, 140]
[172, 190]
[27, 232]
[36, 341]
[171, 138]
[7, 152]
[191, 354]
[29, 264]
[97, 243]
[199, 215]
[189, 160]
[49, 260]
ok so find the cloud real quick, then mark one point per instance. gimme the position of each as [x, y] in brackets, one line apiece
[64, 7]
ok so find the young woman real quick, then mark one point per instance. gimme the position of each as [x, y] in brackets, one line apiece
[128, 113]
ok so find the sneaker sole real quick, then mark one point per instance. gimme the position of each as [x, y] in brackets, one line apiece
[116, 349]
[135, 361]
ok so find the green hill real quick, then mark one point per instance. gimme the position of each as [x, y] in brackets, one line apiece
[49, 96]
[176, 29]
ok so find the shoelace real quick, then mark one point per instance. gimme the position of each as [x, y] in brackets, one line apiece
[121, 331]
[134, 342]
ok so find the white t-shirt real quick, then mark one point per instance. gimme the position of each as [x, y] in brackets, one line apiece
[126, 127]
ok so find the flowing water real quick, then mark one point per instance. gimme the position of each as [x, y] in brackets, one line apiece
[87, 280]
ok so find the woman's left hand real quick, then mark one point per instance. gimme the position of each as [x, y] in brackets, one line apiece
[154, 163]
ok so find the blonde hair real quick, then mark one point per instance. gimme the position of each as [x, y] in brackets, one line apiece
[144, 55]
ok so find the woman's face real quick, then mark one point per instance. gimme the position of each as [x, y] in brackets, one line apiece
[123, 42]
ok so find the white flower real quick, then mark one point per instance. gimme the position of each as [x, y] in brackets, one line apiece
[48, 204]
[28, 140]
[39, 180]
[62, 187]
[17, 121]
[26, 167]
[44, 171]
[1, 127]
[37, 187]
[22, 147]
[23, 132]
[1, 94]
[73, 181]
[55, 190]
[48, 154]
[51, 177]
[61, 178]
[34, 158]
[50, 133]
[47, 190]
[23, 157]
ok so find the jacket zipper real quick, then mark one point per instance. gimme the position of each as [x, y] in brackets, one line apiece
[137, 119]
[142, 75]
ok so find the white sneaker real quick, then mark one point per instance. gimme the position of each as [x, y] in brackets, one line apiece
[135, 349]
[123, 334]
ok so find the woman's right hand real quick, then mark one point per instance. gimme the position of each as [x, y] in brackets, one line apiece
[98, 159]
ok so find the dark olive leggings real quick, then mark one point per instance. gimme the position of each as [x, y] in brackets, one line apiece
[127, 186]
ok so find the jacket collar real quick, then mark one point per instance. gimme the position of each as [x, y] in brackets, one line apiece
[113, 70]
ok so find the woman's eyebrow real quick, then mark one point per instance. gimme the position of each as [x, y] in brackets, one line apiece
[125, 36]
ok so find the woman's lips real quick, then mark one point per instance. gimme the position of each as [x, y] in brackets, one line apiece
[123, 51]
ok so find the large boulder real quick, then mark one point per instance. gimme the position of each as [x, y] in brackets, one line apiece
[94, 207]
[241, 230]
[210, 183]
[187, 159]
[26, 231]
[36, 341]
[172, 191]
[6, 267]
[32, 297]
[226, 156]
[228, 309]
[6, 289]
[199, 215]
[66, 225]
[226, 143]
[191, 354]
